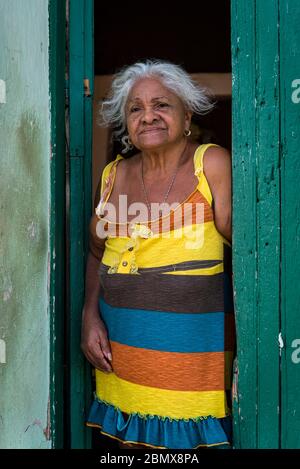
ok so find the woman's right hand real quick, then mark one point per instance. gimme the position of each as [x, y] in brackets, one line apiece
[94, 341]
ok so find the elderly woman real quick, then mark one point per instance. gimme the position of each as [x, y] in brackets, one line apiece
[158, 317]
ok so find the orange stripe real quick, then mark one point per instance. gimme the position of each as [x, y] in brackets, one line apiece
[202, 371]
[183, 217]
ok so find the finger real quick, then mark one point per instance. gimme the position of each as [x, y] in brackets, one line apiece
[99, 358]
[106, 364]
[107, 354]
[99, 363]
[106, 350]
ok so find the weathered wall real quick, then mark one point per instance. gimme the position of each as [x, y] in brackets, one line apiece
[24, 227]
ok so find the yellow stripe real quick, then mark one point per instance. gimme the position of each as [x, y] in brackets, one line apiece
[134, 398]
[157, 252]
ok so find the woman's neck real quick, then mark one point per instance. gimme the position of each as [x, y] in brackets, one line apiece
[163, 161]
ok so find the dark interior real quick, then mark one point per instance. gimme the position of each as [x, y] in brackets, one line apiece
[197, 38]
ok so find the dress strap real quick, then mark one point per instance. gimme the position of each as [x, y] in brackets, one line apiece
[107, 182]
[107, 173]
[203, 185]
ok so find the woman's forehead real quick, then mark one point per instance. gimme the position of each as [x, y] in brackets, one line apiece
[149, 88]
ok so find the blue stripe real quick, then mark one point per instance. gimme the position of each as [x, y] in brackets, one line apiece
[164, 331]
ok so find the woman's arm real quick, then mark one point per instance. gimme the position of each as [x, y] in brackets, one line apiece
[94, 341]
[217, 169]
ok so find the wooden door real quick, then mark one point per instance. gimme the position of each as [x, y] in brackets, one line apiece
[289, 40]
[81, 76]
[266, 202]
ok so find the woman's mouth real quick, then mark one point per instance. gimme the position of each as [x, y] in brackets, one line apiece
[152, 130]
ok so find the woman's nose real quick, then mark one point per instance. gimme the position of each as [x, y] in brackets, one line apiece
[149, 116]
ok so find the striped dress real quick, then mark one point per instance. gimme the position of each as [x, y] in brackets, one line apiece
[166, 300]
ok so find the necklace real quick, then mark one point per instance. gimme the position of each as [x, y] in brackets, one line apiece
[169, 187]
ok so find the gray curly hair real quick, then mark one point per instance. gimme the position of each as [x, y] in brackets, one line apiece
[195, 98]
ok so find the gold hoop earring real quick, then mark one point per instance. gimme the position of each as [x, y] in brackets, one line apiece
[187, 133]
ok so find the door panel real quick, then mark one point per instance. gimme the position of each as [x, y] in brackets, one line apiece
[80, 150]
[290, 205]
[256, 221]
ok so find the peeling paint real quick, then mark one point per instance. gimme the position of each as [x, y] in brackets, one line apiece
[36, 422]
[7, 287]
[24, 243]
[47, 430]
[32, 230]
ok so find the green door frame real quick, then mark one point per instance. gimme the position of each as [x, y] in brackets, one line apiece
[256, 220]
[264, 158]
[57, 41]
[289, 40]
[266, 208]
[256, 215]
[81, 81]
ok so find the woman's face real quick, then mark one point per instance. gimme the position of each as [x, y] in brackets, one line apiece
[155, 116]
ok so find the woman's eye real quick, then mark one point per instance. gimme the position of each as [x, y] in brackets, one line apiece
[162, 105]
[134, 109]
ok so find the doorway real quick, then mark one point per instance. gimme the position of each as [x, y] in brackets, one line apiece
[265, 110]
[199, 41]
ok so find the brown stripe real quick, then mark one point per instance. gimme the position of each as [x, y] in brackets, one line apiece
[180, 266]
[170, 370]
[163, 292]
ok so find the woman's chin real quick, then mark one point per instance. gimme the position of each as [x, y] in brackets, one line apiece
[152, 143]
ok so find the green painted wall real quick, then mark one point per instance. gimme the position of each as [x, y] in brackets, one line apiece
[24, 227]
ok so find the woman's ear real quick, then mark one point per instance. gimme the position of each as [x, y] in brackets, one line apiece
[188, 118]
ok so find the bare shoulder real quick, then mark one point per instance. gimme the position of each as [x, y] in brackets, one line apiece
[216, 158]
[128, 164]
[216, 163]
[122, 169]
[126, 170]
